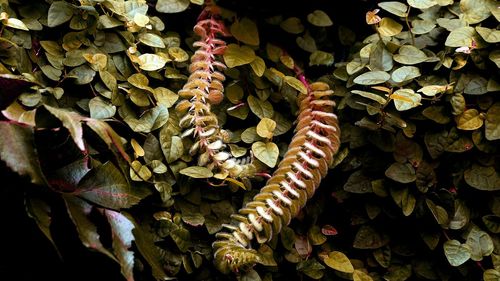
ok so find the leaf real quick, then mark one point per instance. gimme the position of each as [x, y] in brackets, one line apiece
[405, 74]
[59, 13]
[321, 58]
[482, 178]
[438, 212]
[339, 261]
[469, 120]
[71, 121]
[405, 99]
[408, 54]
[456, 253]
[461, 37]
[139, 172]
[397, 8]
[480, 243]
[422, 26]
[375, 97]
[389, 27]
[296, 84]
[245, 30]
[358, 183]
[432, 90]
[372, 78]
[100, 109]
[258, 66]
[263, 109]
[151, 40]
[492, 222]
[178, 54]
[197, 172]
[266, 127]
[492, 123]
[151, 120]
[491, 275]
[368, 238]
[292, 25]
[15, 23]
[489, 35]
[359, 275]
[17, 150]
[422, 4]
[172, 6]
[398, 273]
[107, 186]
[79, 211]
[319, 18]
[437, 114]
[109, 136]
[40, 212]
[151, 62]
[267, 153]
[237, 56]
[475, 11]
[403, 173]
[306, 42]
[381, 58]
[121, 229]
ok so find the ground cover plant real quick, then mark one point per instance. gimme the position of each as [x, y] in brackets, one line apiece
[222, 140]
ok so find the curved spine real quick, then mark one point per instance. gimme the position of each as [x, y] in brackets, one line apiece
[299, 173]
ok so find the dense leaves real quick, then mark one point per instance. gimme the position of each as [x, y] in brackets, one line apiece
[93, 112]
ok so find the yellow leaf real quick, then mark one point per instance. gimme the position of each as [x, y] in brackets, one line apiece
[389, 27]
[258, 66]
[15, 23]
[236, 55]
[359, 275]
[267, 153]
[296, 84]
[178, 54]
[151, 62]
[266, 127]
[141, 20]
[245, 30]
[137, 148]
[339, 261]
[287, 61]
[470, 120]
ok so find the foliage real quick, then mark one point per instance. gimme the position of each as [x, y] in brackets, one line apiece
[153, 133]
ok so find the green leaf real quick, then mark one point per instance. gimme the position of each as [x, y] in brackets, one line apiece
[339, 261]
[172, 6]
[368, 238]
[389, 27]
[258, 66]
[79, 211]
[321, 58]
[245, 30]
[306, 42]
[372, 78]
[437, 114]
[489, 35]
[423, 26]
[151, 40]
[266, 127]
[40, 212]
[397, 8]
[263, 109]
[296, 84]
[121, 230]
[267, 153]
[438, 212]
[422, 4]
[107, 186]
[480, 243]
[197, 172]
[15, 23]
[18, 151]
[403, 173]
[456, 253]
[59, 13]
[469, 120]
[101, 109]
[358, 183]
[151, 120]
[237, 56]
[492, 123]
[409, 54]
[398, 273]
[381, 58]
[292, 25]
[461, 37]
[319, 18]
[71, 121]
[432, 90]
[482, 178]
[475, 11]
[378, 98]
[405, 99]
[151, 62]
[83, 74]
[315, 236]
[491, 275]
[495, 57]
[492, 222]
[359, 275]
[405, 74]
